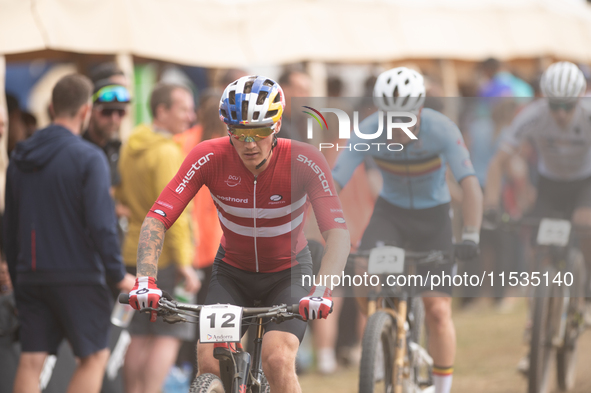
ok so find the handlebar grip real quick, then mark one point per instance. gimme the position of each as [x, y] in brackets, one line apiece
[123, 298]
[294, 308]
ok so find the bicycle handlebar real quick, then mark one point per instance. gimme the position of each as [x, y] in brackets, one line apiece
[532, 222]
[168, 303]
[123, 298]
[416, 257]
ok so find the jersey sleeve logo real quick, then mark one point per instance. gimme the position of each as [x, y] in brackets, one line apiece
[191, 172]
[467, 163]
[317, 170]
[160, 212]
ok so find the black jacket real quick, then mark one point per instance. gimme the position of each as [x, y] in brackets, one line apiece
[59, 223]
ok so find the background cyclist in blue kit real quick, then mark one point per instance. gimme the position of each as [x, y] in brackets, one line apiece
[413, 208]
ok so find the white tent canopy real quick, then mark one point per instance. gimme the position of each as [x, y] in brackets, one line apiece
[239, 33]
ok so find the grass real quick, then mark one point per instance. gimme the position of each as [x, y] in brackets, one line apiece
[489, 347]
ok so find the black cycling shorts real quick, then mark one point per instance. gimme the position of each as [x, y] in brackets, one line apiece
[413, 229]
[230, 285]
[559, 199]
[50, 313]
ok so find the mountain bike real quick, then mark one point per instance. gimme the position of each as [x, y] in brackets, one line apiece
[221, 324]
[394, 358]
[558, 278]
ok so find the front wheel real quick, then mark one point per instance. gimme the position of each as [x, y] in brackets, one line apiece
[207, 383]
[545, 324]
[377, 356]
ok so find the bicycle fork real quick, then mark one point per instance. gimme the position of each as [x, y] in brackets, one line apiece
[400, 346]
[558, 339]
[234, 366]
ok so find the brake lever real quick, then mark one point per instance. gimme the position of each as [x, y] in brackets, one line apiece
[150, 309]
[283, 316]
[174, 318]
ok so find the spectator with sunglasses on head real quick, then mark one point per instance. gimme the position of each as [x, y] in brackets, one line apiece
[110, 104]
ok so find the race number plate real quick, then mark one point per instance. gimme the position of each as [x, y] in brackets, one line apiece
[220, 323]
[386, 260]
[553, 232]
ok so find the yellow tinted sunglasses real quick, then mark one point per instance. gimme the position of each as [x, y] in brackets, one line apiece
[251, 134]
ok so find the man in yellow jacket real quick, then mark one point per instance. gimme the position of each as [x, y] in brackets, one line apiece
[148, 161]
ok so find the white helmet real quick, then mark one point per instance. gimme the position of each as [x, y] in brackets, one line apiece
[399, 89]
[563, 80]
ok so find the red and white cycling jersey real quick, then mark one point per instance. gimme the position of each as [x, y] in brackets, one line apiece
[262, 217]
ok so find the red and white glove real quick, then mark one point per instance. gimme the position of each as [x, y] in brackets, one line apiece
[144, 294]
[317, 305]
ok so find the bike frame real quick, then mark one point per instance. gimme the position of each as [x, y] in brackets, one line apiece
[235, 364]
[236, 370]
[399, 313]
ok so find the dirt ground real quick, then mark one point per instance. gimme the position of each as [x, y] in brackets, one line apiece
[490, 345]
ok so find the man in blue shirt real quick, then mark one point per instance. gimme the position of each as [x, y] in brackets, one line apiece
[61, 240]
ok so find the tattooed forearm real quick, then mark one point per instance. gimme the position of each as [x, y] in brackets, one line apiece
[150, 247]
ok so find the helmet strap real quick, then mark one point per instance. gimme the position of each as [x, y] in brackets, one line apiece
[270, 151]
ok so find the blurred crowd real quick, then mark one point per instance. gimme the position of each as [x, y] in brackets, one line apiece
[143, 164]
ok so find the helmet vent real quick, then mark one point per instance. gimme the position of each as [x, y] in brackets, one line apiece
[407, 82]
[232, 97]
[277, 97]
[248, 87]
[396, 93]
[233, 115]
[389, 80]
[224, 113]
[271, 113]
[244, 109]
[262, 96]
[268, 82]
[255, 116]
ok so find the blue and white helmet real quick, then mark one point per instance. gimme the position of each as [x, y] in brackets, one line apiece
[252, 101]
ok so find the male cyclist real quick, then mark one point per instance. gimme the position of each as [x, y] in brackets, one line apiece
[413, 208]
[559, 127]
[261, 186]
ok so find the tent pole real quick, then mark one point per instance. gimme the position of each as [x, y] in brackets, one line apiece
[125, 62]
[318, 75]
[450, 88]
[4, 137]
